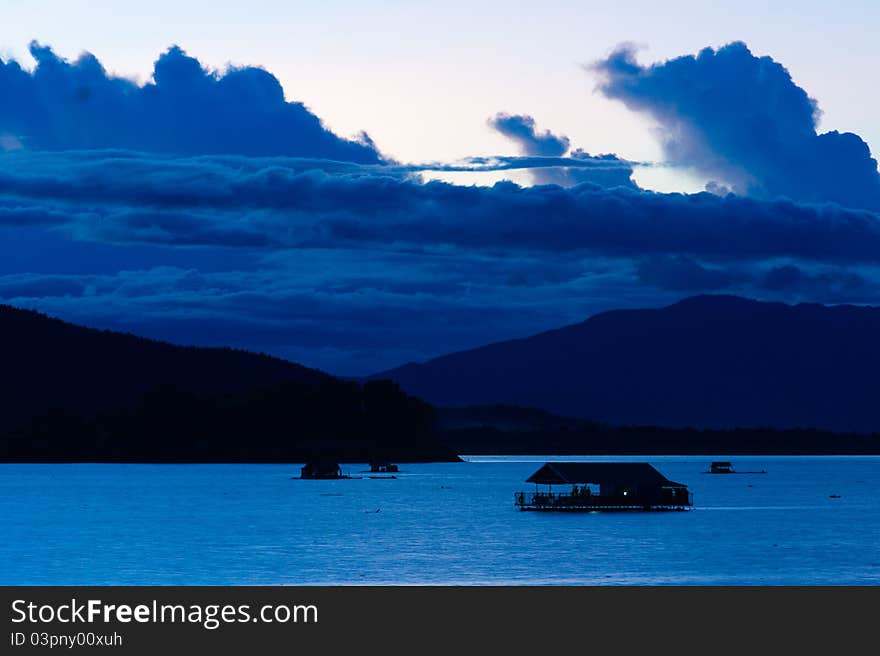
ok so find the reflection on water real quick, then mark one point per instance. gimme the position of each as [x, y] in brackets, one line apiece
[436, 523]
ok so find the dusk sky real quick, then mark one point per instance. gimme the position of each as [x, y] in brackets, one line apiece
[317, 182]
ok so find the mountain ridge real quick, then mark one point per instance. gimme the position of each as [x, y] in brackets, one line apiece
[51, 363]
[711, 361]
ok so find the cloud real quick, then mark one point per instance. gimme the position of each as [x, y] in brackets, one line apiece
[521, 130]
[219, 202]
[822, 284]
[185, 109]
[741, 121]
[578, 159]
[680, 273]
[616, 172]
[342, 310]
[357, 268]
[603, 170]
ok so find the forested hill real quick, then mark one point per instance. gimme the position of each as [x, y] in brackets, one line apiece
[52, 364]
[73, 394]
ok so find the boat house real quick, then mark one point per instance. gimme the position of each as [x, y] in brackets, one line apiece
[321, 469]
[725, 467]
[382, 467]
[592, 486]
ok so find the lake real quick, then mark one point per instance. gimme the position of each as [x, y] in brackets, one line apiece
[435, 524]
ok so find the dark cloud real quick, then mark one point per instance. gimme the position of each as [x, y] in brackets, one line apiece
[521, 130]
[351, 311]
[546, 151]
[680, 273]
[615, 172]
[823, 284]
[40, 286]
[743, 122]
[359, 268]
[343, 310]
[216, 202]
[578, 159]
[185, 109]
[789, 281]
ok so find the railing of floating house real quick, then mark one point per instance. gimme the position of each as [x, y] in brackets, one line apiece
[666, 498]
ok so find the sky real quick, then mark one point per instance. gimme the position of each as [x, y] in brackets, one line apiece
[320, 207]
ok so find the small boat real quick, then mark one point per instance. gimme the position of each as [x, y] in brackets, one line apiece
[725, 467]
[382, 478]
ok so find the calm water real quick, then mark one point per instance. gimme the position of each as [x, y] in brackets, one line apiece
[437, 523]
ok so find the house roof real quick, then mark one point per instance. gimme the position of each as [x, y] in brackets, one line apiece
[322, 464]
[599, 473]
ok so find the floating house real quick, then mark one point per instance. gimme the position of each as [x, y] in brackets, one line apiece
[724, 467]
[592, 486]
[321, 469]
[382, 467]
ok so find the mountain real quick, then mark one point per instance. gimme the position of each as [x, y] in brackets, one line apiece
[707, 361]
[73, 394]
[51, 364]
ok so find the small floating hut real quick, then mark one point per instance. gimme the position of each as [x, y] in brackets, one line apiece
[725, 467]
[321, 469]
[382, 467]
[596, 486]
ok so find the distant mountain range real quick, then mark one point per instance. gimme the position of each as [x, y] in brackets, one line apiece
[73, 394]
[707, 361]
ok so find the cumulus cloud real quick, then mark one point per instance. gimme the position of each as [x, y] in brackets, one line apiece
[616, 172]
[185, 109]
[546, 150]
[743, 122]
[521, 130]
